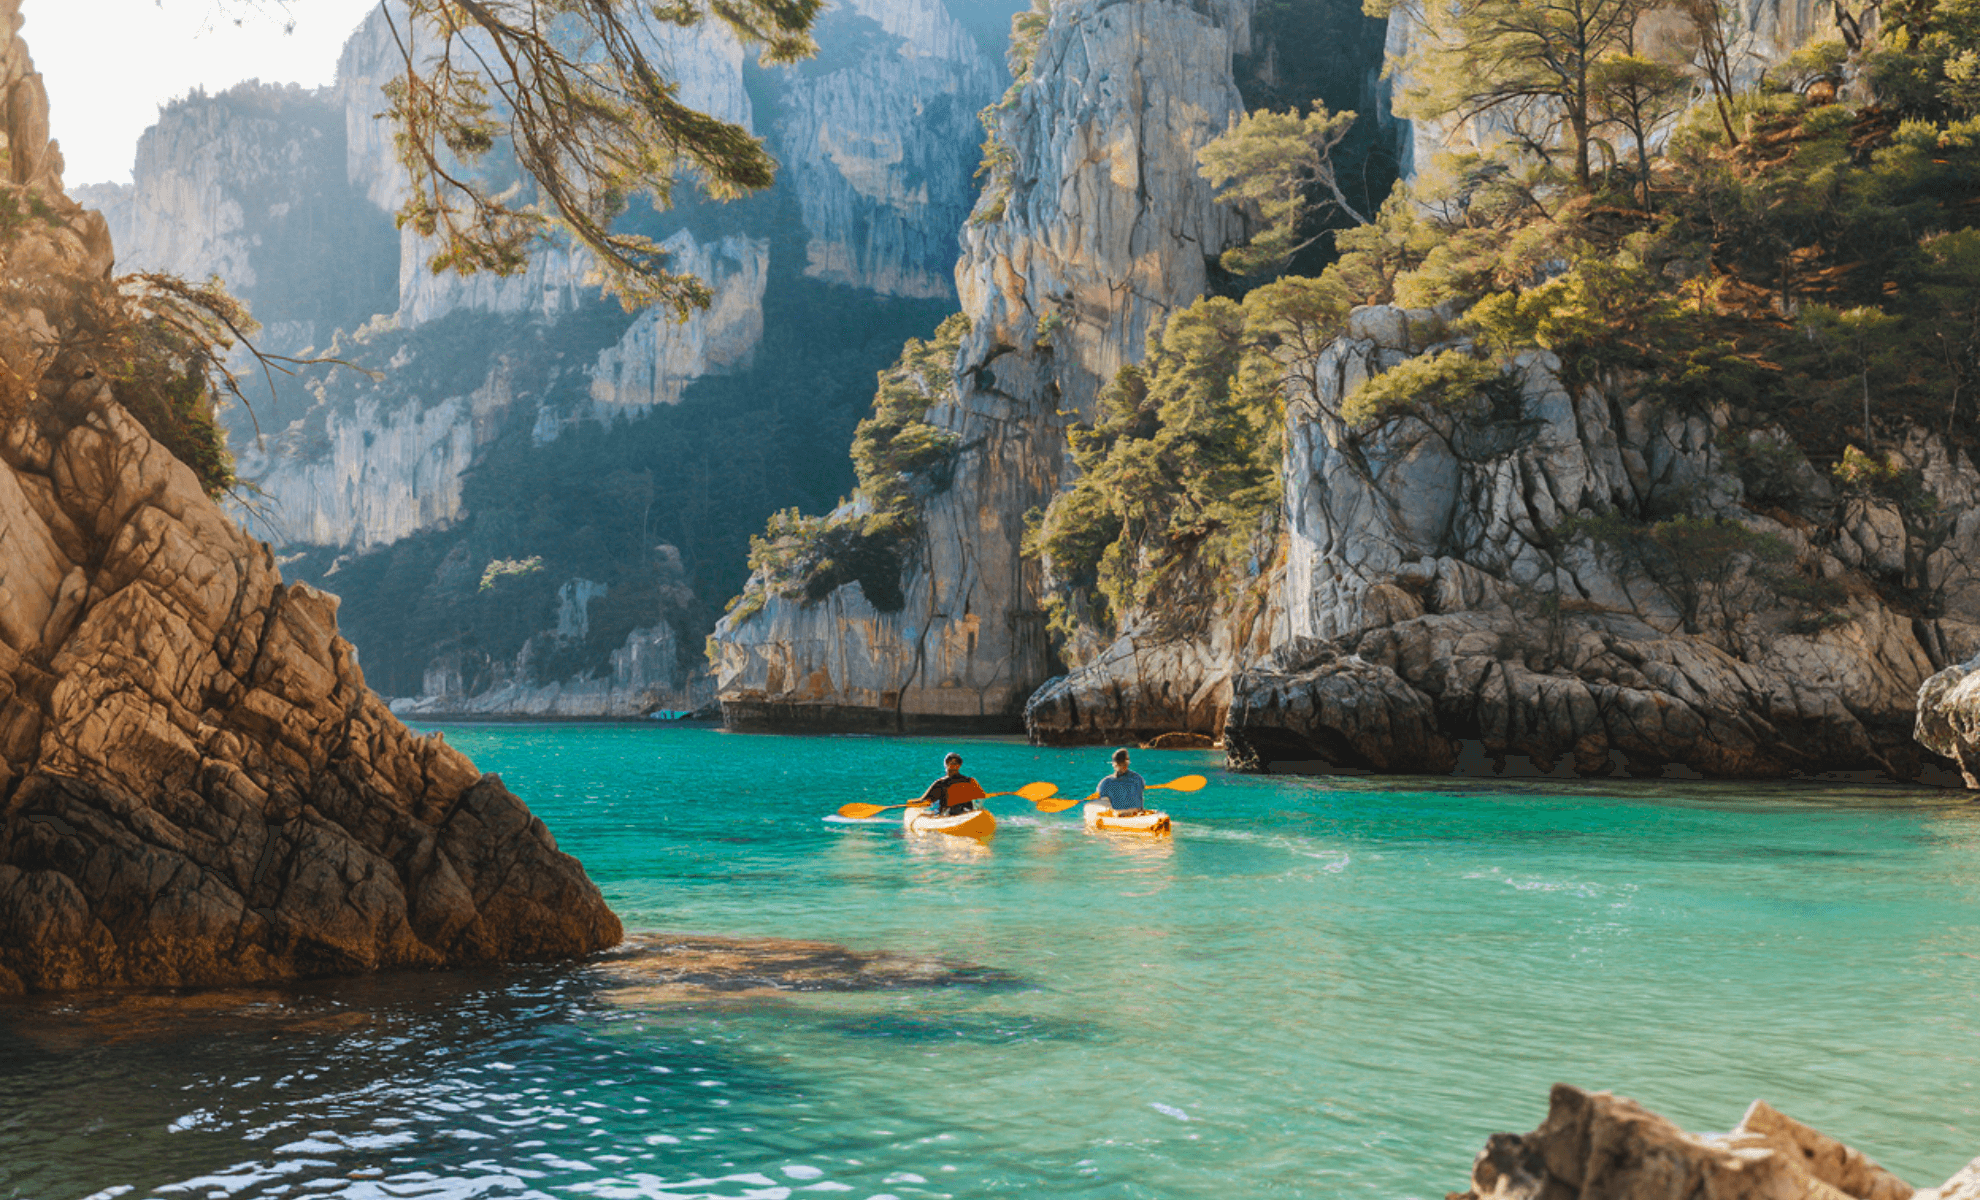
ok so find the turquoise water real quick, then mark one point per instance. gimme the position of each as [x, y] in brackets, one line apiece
[1316, 988]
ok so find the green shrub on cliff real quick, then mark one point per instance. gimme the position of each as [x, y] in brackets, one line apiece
[900, 460]
[163, 343]
[1446, 380]
[1178, 468]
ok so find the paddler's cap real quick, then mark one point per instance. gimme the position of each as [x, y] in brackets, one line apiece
[951, 757]
[1120, 756]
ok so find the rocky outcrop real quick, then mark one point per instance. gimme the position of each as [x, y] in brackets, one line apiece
[1449, 553]
[1598, 1146]
[196, 787]
[1949, 717]
[1170, 672]
[1101, 228]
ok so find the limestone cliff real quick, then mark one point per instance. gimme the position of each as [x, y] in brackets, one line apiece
[880, 157]
[1099, 227]
[1598, 1146]
[196, 787]
[516, 379]
[1432, 601]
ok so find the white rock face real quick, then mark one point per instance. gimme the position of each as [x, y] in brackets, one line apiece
[881, 155]
[1430, 546]
[384, 474]
[658, 357]
[249, 185]
[1107, 224]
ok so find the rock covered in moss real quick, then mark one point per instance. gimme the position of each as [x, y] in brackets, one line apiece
[198, 787]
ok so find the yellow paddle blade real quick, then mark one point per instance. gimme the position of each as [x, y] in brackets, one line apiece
[1062, 803]
[862, 811]
[1037, 791]
[1188, 783]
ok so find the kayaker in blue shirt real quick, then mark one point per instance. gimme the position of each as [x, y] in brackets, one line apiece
[1122, 790]
[937, 795]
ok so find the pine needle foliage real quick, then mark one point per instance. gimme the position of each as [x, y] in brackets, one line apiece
[1281, 166]
[1178, 468]
[568, 94]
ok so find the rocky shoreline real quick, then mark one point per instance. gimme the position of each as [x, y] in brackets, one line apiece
[199, 789]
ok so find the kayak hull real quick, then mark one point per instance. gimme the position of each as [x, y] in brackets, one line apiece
[978, 823]
[1099, 816]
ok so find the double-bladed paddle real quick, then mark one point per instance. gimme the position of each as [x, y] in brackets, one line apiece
[1188, 783]
[1037, 793]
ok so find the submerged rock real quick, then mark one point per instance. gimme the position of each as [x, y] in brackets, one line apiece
[1598, 1146]
[198, 787]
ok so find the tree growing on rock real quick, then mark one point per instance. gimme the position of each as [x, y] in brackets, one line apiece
[1639, 94]
[1282, 165]
[1529, 66]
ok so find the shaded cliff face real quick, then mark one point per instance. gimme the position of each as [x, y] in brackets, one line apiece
[1438, 597]
[198, 787]
[1103, 226]
[526, 418]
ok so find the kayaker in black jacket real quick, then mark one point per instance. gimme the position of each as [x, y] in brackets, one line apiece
[937, 795]
[1122, 790]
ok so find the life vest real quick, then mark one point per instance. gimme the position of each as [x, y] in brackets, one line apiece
[960, 790]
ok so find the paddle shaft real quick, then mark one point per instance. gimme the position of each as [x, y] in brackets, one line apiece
[1186, 783]
[1034, 792]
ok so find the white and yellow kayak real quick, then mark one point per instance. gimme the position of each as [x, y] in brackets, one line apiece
[1099, 816]
[976, 823]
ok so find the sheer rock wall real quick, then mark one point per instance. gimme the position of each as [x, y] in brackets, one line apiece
[196, 787]
[1106, 228]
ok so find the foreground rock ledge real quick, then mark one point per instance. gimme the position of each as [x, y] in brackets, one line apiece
[196, 787]
[1597, 1146]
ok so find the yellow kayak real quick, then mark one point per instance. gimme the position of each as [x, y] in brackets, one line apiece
[977, 823]
[1099, 816]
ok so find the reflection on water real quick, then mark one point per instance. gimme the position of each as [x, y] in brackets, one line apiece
[1314, 988]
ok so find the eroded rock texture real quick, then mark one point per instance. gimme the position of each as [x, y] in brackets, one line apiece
[198, 787]
[1449, 552]
[1597, 1146]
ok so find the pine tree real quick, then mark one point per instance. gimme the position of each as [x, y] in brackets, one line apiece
[1526, 65]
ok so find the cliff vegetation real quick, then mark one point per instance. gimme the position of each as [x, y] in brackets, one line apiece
[900, 459]
[1800, 253]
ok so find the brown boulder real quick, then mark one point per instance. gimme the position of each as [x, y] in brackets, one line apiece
[1597, 1146]
[1338, 710]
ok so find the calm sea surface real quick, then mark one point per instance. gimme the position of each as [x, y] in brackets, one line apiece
[1316, 988]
